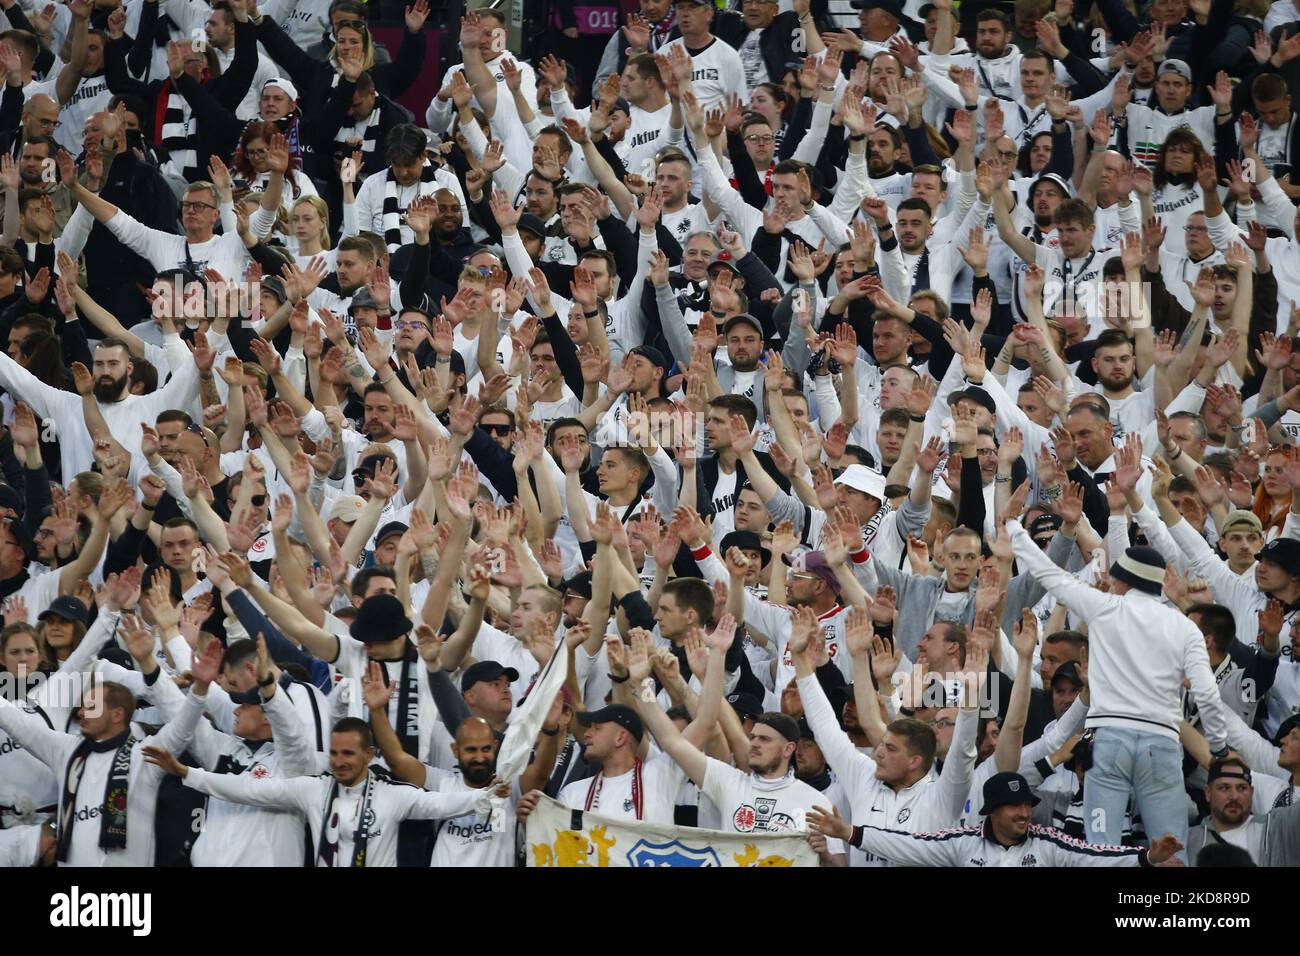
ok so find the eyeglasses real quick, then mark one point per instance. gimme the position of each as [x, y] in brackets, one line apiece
[256, 153]
[413, 324]
[756, 138]
[1043, 542]
[258, 500]
[943, 723]
[48, 124]
[497, 428]
[987, 452]
[43, 533]
[359, 477]
[196, 206]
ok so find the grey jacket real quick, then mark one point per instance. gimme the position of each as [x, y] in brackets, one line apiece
[918, 595]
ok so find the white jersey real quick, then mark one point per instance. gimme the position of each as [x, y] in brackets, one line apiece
[653, 784]
[642, 139]
[342, 820]
[470, 840]
[716, 70]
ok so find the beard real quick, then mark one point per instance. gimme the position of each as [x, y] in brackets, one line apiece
[477, 774]
[763, 769]
[109, 389]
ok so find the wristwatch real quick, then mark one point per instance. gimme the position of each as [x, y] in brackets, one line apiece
[617, 680]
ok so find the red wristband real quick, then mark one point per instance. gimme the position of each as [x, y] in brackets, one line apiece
[860, 557]
[699, 554]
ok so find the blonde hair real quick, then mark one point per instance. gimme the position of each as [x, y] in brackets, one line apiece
[322, 210]
[367, 46]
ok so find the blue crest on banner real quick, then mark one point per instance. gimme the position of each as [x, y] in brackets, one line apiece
[673, 853]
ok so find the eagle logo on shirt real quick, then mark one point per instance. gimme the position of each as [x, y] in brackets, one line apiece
[260, 772]
[1029, 860]
[744, 818]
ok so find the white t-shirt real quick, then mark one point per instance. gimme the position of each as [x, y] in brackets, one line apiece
[751, 804]
[716, 71]
[661, 779]
[642, 138]
[751, 56]
[470, 840]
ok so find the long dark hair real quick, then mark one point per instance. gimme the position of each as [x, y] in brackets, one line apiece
[1179, 136]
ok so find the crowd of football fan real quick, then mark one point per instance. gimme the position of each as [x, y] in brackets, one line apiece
[888, 419]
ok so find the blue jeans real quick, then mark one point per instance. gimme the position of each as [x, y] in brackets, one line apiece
[1148, 766]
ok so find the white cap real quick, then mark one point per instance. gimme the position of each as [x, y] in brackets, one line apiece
[347, 508]
[863, 479]
[289, 89]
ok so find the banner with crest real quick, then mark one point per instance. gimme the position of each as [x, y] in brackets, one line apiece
[558, 836]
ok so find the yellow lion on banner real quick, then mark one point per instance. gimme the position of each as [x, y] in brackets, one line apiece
[573, 848]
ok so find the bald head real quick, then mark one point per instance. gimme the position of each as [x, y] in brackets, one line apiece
[475, 750]
[40, 116]
[475, 730]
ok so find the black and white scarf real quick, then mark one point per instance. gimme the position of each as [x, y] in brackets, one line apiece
[366, 131]
[112, 818]
[394, 215]
[408, 702]
[178, 133]
[330, 827]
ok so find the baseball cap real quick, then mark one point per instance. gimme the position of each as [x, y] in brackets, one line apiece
[67, 607]
[814, 562]
[977, 395]
[23, 537]
[723, 258]
[625, 717]
[1288, 725]
[485, 672]
[1227, 768]
[1175, 66]
[745, 705]
[783, 724]
[531, 223]
[1004, 789]
[1284, 552]
[10, 498]
[347, 508]
[275, 285]
[863, 479]
[580, 583]
[1069, 671]
[289, 89]
[889, 6]
[1242, 516]
[390, 529]
[742, 319]
[652, 354]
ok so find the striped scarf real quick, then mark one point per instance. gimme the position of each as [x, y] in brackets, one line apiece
[364, 131]
[176, 130]
[394, 215]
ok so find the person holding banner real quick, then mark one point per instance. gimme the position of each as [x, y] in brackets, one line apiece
[765, 796]
[474, 839]
[1006, 838]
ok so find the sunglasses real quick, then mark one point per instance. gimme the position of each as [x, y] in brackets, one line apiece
[498, 428]
[360, 477]
[258, 500]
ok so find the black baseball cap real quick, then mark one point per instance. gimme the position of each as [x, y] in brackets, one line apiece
[388, 530]
[67, 607]
[1284, 552]
[10, 498]
[23, 537]
[783, 724]
[625, 717]
[651, 353]
[1288, 725]
[1068, 671]
[486, 672]
[531, 223]
[380, 618]
[1006, 789]
[1044, 523]
[745, 705]
[580, 583]
[977, 395]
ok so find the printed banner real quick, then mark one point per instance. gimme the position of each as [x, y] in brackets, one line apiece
[558, 836]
